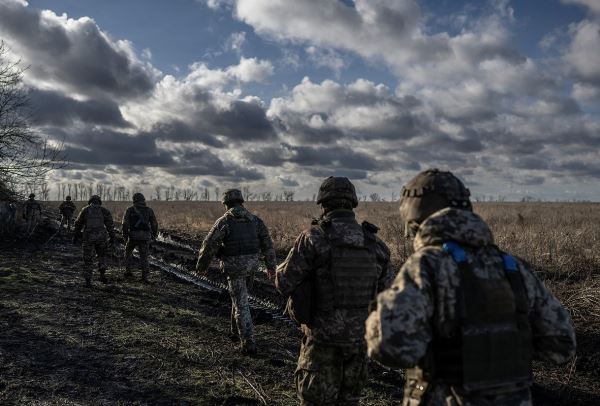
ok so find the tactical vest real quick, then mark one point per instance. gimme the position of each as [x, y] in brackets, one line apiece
[94, 224]
[492, 344]
[351, 279]
[139, 219]
[242, 238]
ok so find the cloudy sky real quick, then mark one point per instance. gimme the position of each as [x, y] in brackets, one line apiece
[278, 94]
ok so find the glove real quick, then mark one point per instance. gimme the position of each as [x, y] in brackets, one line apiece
[271, 274]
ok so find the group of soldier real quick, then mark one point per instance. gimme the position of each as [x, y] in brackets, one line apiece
[464, 319]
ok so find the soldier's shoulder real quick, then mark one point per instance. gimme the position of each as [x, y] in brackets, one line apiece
[105, 211]
[424, 259]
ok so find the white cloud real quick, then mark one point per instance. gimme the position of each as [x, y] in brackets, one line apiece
[236, 42]
[592, 5]
[251, 70]
[584, 51]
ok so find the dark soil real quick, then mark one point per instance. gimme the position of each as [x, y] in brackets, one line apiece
[167, 343]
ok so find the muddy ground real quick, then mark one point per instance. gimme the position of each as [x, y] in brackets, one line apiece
[167, 343]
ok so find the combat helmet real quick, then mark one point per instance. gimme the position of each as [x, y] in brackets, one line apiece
[68, 198]
[138, 198]
[32, 196]
[337, 187]
[94, 199]
[232, 196]
[428, 192]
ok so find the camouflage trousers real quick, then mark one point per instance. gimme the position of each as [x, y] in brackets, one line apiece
[241, 319]
[66, 219]
[329, 374]
[91, 249]
[32, 222]
[143, 247]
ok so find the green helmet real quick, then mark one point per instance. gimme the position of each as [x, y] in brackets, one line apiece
[32, 196]
[337, 188]
[232, 196]
[95, 199]
[428, 192]
[138, 197]
[68, 198]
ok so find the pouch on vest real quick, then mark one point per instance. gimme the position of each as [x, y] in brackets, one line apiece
[242, 238]
[94, 224]
[299, 306]
[352, 267]
[493, 345]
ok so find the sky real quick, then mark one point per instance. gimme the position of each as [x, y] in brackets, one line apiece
[278, 94]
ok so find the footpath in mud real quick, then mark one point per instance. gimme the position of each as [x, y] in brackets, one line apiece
[131, 343]
[160, 344]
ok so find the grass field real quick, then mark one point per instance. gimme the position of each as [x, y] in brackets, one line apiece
[561, 241]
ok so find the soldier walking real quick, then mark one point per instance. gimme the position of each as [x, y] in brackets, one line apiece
[237, 239]
[94, 227]
[139, 228]
[344, 264]
[32, 211]
[66, 209]
[464, 317]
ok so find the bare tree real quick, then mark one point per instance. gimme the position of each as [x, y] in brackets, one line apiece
[24, 155]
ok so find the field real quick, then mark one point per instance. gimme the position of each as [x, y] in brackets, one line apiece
[166, 344]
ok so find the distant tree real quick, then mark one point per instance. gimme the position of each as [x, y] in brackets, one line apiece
[288, 195]
[25, 157]
[217, 194]
[375, 197]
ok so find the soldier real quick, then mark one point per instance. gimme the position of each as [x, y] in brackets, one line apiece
[32, 211]
[237, 239]
[97, 225]
[66, 209]
[463, 316]
[334, 271]
[139, 227]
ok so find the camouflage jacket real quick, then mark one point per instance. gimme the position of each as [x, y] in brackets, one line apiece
[129, 230]
[32, 208]
[67, 208]
[309, 256]
[422, 299]
[94, 235]
[241, 264]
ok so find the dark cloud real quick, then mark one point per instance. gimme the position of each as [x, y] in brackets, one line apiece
[242, 121]
[333, 157]
[179, 132]
[116, 148]
[205, 163]
[82, 58]
[53, 108]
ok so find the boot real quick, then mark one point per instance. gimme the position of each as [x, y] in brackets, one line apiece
[145, 277]
[88, 282]
[248, 348]
[128, 273]
[103, 278]
[234, 337]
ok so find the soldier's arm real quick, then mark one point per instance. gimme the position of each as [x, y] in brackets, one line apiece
[109, 224]
[552, 328]
[385, 270]
[298, 265]
[211, 245]
[153, 224]
[125, 224]
[399, 331]
[79, 222]
[266, 245]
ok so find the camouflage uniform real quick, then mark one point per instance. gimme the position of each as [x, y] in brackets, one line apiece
[32, 212]
[332, 365]
[239, 269]
[98, 235]
[67, 209]
[424, 307]
[139, 227]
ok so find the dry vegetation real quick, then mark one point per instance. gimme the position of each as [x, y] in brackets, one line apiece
[561, 241]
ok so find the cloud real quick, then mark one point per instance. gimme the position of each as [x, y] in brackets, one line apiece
[583, 53]
[251, 70]
[73, 55]
[53, 108]
[592, 5]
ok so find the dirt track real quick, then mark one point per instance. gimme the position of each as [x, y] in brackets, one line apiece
[167, 343]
